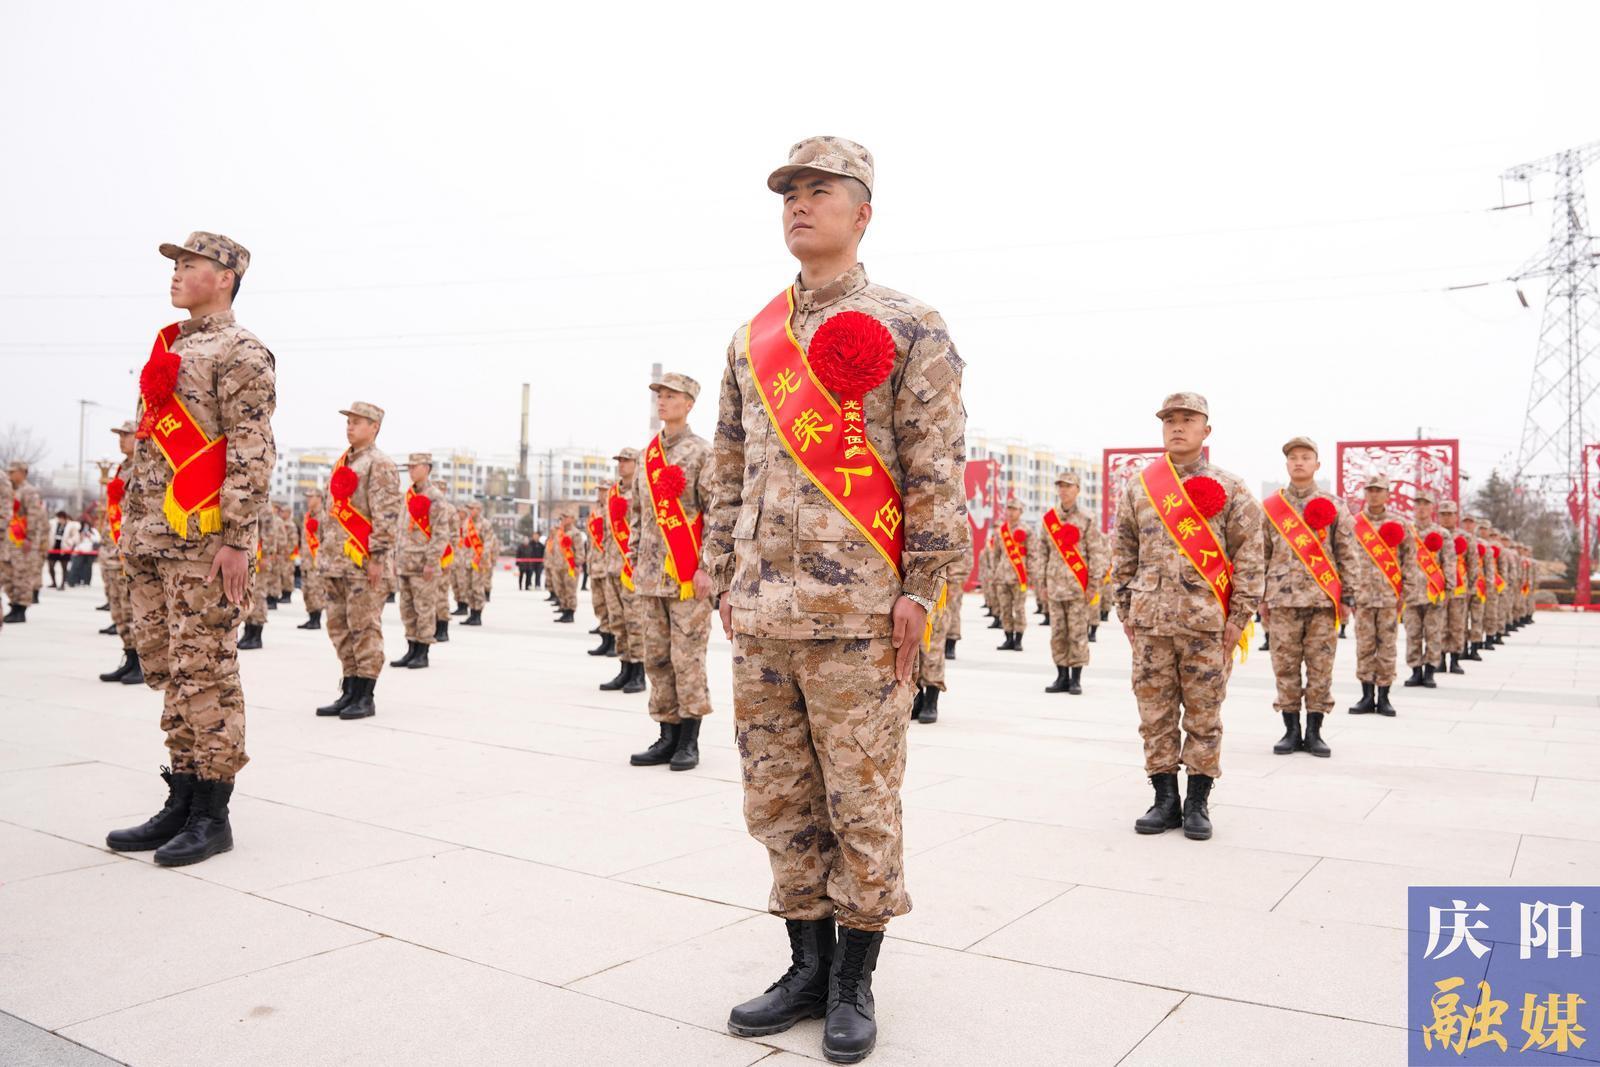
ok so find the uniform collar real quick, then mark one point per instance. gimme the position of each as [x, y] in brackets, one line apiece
[1290, 490]
[1188, 470]
[670, 438]
[851, 281]
[206, 323]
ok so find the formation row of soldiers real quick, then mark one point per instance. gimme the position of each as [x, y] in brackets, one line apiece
[22, 550]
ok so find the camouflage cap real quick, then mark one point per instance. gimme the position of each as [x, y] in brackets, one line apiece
[678, 383]
[19, 465]
[627, 454]
[1013, 502]
[127, 427]
[1448, 507]
[1068, 478]
[1184, 402]
[1422, 496]
[1470, 518]
[1300, 442]
[831, 155]
[215, 247]
[1376, 481]
[419, 457]
[364, 410]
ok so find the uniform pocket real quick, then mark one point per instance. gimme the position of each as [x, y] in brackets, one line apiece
[838, 570]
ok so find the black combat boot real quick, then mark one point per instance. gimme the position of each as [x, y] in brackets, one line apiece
[1166, 813]
[1384, 708]
[420, 661]
[1415, 679]
[1016, 645]
[949, 648]
[1266, 644]
[129, 661]
[565, 616]
[109, 631]
[206, 832]
[916, 704]
[1472, 653]
[405, 660]
[1075, 682]
[313, 621]
[474, 618]
[1366, 705]
[620, 680]
[1044, 621]
[286, 597]
[164, 825]
[851, 1029]
[1196, 810]
[660, 752]
[995, 625]
[1063, 679]
[1291, 741]
[251, 638]
[802, 991]
[461, 609]
[1314, 743]
[686, 756]
[361, 705]
[635, 684]
[1427, 677]
[1455, 664]
[441, 631]
[135, 675]
[346, 694]
[272, 603]
[389, 599]
[607, 646]
[929, 712]
[1092, 631]
[1008, 644]
[1342, 625]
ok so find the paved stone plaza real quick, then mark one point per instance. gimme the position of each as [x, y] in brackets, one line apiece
[477, 876]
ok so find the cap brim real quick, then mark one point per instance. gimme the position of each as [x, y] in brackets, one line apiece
[172, 252]
[778, 180]
[1164, 412]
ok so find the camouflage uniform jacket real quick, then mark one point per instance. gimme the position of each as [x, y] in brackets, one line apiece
[1158, 590]
[1289, 583]
[793, 565]
[1367, 582]
[1446, 557]
[1474, 565]
[378, 496]
[30, 505]
[307, 561]
[693, 453]
[1054, 578]
[110, 551]
[227, 381]
[7, 495]
[419, 553]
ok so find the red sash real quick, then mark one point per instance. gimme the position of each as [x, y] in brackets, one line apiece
[827, 439]
[18, 530]
[1382, 555]
[1306, 547]
[1499, 575]
[1014, 553]
[619, 530]
[567, 553]
[1192, 534]
[357, 545]
[199, 463]
[1460, 588]
[471, 538]
[311, 540]
[1432, 571]
[1069, 553]
[597, 530]
[1527, 576]
[681, 534]
[425, 524]
[114, 521]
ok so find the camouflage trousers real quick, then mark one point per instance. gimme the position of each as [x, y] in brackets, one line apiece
[1180, 682]
[622, 619]
[355, 625]
[1425, 633]
[257, 615]
[186, 634]
[598, 605]
[312, 590]
[419, 597]
[460, 572]
[1375, 644]
[675, 636]
[1010, 604]
[1474, 617]
[115, 577]
[1069, 632]
[564, 585]
[821, 731]
[1304, 638]
[930, 659]
[1493, 613]
[22, 575]
[477, 585]
[1455, 625]
[953, 595]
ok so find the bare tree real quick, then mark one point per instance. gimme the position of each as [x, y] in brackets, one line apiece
[21, 443]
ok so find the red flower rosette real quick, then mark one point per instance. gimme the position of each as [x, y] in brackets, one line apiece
[618, 508]
[157, 381]
[1392, 533]
[1020, 537]
[1208, 495]
[1482, 550]
[419, 506]
[343, 483]
[1434, 541]
[672, 482]
[1070, 535]
[1460, 545]
[115, 489]
[1321, 513]
[312, 524]
[851, 354]
[1496, 551]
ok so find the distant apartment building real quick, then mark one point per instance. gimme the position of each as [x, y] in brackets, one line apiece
[1029, 471]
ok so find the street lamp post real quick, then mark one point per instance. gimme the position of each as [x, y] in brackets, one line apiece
[83, 410]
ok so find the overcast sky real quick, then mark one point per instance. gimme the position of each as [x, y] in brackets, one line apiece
[1107, 202]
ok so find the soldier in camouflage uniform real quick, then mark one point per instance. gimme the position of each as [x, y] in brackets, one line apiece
[1425, 619]
[1459, 582]
[356, 589]
[1067, 594]
[1303, 617]
[954, 592]
[825, 630]
[7, 497]
[1475, 605]
[930, 659]
[1009, 596]
[594, 562]
[425, 524]
[1182, 639]
[260, 577]
[622, 606]
[675, 627]
[563, 576]
[286, 556]
[189, 582]
[480, 565]
[27, 535]
[311, 587]
[1377, 608]
[112, 571]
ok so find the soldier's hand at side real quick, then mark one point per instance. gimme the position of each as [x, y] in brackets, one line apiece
[374, 575]
[234, 566]
[1127, 632]
[909, 620]
[725, 612]
[702, 590]
[1230, 634]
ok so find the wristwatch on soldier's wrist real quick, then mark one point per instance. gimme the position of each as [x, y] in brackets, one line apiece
[922, 602]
